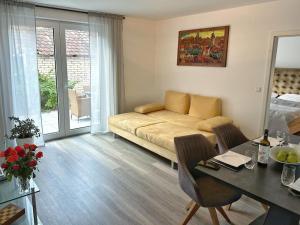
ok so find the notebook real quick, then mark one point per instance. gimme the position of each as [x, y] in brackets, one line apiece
[233, 159]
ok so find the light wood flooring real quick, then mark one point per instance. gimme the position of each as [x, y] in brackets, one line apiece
[99, 180]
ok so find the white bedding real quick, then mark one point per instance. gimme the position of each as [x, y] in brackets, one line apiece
[281, 113]
[290, 97]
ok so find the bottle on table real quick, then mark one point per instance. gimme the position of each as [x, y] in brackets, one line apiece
[264, 150]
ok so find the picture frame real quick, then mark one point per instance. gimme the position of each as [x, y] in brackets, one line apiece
[203, 47]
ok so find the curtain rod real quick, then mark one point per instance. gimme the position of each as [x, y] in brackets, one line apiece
[76, 10]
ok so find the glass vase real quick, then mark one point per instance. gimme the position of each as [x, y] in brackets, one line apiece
[23, 185]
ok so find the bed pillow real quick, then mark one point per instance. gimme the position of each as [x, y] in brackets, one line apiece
[290, 97]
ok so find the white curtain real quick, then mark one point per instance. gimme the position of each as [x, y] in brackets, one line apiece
[19, 85]
[107, 76]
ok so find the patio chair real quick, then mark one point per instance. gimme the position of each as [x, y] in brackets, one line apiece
[79, 106]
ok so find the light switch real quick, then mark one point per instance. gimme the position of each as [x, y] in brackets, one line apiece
[258, 89]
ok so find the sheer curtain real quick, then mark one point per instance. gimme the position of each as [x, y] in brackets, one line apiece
[19, 85]
[107, 76]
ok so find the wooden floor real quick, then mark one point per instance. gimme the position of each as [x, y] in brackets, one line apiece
[99, 180]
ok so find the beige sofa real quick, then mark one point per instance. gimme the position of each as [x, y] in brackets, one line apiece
[154, 126]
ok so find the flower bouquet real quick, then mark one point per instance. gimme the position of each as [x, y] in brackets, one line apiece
[21, 162]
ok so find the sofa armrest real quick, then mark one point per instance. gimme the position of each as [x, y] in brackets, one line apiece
[209, 124]
[152, 107]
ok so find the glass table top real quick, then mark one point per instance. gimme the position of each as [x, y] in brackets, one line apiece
[9, 191]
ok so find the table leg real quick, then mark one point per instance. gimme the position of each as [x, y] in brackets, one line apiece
[277, 216]
[33, 201]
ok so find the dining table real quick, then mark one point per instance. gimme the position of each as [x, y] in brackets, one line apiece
[262, 184]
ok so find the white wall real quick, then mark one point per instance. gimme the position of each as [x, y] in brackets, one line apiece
[288, 52]
[249, 41]
[139, 64]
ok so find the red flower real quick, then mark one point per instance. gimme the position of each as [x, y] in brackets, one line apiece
[22, 153]
[32, 163]
[2, 154]
[32, 147]
[39, 155]
[4, 166]
[18, 148]
[16, 167]
[12, 158]
[8, 151]
[26, 146]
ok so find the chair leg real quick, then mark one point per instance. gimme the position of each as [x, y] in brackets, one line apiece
[228, 207]
[223, 213]
[188, 206]
[266, 207]
[193, 209]
[214, 216]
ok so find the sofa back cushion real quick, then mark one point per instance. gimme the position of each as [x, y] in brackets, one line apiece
[177, 102]
[204, 107]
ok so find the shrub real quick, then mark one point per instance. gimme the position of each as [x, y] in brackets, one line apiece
[48, 91]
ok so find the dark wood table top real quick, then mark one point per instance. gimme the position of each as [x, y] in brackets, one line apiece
[262, 184]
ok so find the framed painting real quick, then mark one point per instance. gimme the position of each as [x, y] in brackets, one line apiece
[203, 47]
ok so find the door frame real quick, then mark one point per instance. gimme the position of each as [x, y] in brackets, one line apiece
[59, 28]
[270, 73]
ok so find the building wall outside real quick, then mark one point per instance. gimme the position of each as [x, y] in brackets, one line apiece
[78, 69]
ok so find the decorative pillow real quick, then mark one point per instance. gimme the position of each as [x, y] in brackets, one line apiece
[204, 107]
[209, 124]
[152, 107]
[177, 102]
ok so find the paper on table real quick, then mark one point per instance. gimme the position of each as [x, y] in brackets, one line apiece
[233, 158]
[273, 141]
[296, 186]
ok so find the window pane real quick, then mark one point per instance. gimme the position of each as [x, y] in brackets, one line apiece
[78, 67]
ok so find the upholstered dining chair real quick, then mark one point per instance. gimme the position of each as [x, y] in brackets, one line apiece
[229, 136]
[204, 190]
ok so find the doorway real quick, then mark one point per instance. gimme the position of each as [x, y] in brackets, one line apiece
[282, 115]
[64, 77]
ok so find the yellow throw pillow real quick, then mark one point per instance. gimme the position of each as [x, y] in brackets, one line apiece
[204, 107]
[152, 107]
[209, 124]
[177, 102]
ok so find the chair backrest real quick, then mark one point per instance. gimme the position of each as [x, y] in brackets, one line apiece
[190, 150]
[86, 88]
[73, 98]
[228, 136]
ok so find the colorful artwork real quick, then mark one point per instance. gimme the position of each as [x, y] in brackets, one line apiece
[203, 47]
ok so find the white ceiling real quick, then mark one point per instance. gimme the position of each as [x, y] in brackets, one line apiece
[151, 9]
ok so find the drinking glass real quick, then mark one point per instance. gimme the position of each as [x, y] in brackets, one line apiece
[252, 154]
[279, 135]
[288, 174]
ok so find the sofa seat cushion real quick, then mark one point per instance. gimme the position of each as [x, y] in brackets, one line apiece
[176, 118]
[163, 134]
[177, 102]
[131, 121]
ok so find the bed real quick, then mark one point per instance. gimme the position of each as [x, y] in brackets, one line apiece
[284, 113]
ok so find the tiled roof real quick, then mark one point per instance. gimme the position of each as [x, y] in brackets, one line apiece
[77, 42]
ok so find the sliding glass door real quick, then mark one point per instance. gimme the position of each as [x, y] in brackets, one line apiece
[64, 75]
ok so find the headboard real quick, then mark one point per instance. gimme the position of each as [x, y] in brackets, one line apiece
[286, 81]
